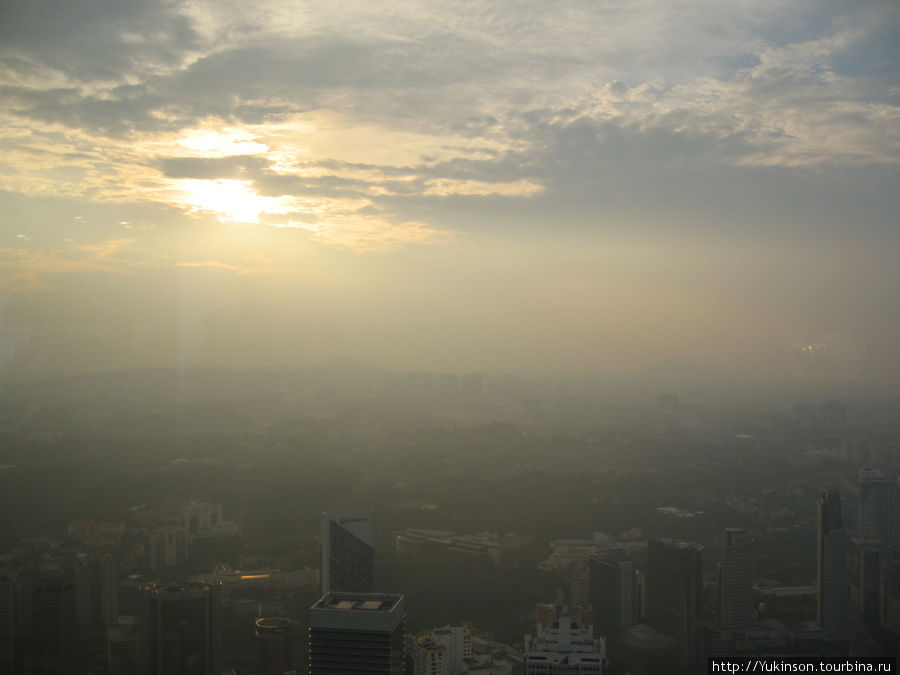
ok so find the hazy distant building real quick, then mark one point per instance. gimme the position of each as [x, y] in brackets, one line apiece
[348, 552]
[736, 580]
[7, 655]
[96, 589]
[648, 651]
[612, 596]
[357, 633]
[889, 596]
[273, 646]
[181, 629]
[52, 629]
[564, 642]
[879, 507]
[833, 414]
[831, 565]
[580, 585]
[675, 580]
[164, 547]
[428, 546]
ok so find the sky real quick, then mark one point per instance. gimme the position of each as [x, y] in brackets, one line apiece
[700, 189]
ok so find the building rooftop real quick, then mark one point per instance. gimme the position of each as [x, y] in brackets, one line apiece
[357, 611]
[363, 602]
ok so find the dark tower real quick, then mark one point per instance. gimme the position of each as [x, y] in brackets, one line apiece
[833, 579]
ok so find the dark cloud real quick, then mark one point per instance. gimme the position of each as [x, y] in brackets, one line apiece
[239, 166]
[96, 39]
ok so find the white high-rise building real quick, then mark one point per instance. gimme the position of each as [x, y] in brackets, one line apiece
[833, 579]
[443, 651]
[735, 580]
[348, 552]
[564, 644]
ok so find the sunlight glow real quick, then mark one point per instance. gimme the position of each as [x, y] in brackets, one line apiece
[233, 200]
[221, 143]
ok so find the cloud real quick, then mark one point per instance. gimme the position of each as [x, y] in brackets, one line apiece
[382, 113]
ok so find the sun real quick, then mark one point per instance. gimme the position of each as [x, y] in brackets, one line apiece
[232, 200]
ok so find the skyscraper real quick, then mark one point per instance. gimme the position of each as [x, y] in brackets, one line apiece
[6, 621]
[831, 566]
[612, 596]
[879, 507]
[181, 629]
[53, 609]
[675, 580]
[348, 552]
[357, 633]
[273, 640]
[735, 580]
[96, 589]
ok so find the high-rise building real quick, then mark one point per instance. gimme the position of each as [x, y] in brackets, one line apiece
[53, 609]
[647, 651]
[612, 596]
[564, 642]
[348, 552]
[864, 571]
[357, 633]
[736, 580]
[96, 589]
[273, 640]
[889, 596]
[442, 651]
[675, 580]
[123, 647]
[181, 629]
[879, 507]
[580, 585]
[833, 580]
[6, 621]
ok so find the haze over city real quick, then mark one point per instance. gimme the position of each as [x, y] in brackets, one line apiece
[692, 192]
[417, 338]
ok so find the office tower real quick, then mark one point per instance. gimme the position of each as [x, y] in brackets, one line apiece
[6, 621]
[864, 569]
[675, 580]
[889, 596]
[348, 552]
[563, 642]
[273, 641]
[357, 633]
[122, 646]
[612, 595]
[735, 580]
[879, 507]
[831, 566]
[181, 629]
[53, 609]
[96, 589]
